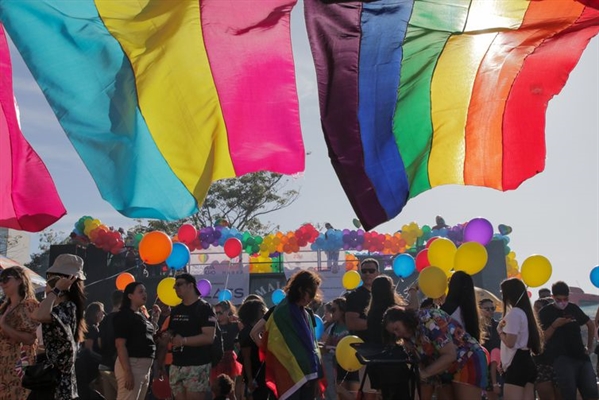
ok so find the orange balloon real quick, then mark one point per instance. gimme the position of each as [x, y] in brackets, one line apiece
[123, 280]
[155, 247]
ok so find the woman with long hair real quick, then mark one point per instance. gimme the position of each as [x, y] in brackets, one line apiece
[227, 320]
[63, 324]
[135, 347]
[17, 331]
[383, 296]
[460, 303]
[443, 347]
[520, 335]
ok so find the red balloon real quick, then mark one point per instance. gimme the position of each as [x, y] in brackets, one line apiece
[187, 233]
[422, 260]
[233, 247]
[431, 240]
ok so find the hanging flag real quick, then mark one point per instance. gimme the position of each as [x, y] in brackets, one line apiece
[162, 98]
[416, 94]
[28, 197]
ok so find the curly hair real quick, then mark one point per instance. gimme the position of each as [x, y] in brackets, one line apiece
[302, 282]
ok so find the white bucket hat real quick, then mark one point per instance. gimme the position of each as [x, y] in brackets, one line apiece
[68, 264]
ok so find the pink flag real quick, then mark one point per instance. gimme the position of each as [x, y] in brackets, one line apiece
[28, 198]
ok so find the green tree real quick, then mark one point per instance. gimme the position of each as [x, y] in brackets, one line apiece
[40, 260]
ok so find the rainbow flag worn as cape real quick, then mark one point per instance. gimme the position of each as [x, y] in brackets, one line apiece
[420, 93]
[28, 198]
[290, 350]
[161, 98]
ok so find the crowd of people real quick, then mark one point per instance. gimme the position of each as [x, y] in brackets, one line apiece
[457, 346]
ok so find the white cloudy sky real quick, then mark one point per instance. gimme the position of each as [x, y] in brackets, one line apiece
[554, 214]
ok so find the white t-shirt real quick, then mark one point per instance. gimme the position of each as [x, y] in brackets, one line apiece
[516, 323]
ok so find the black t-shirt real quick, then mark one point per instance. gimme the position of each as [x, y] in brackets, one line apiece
[92, 334]
[189, 321]
[357, 301]
[375, 326]
[106, 334]
[229, 333]
[566, 340]
[246, 341]
[138, 332]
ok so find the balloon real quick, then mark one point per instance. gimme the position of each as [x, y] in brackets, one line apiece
[471, 257]
[351, 280]
[432, 282]
[225, 295]
[430, 241]
[441, 254]
[202, 258]
[478, 230]
[179, 256]
[319, 328]
[422, 260]
[155, 247]
[595, 276]
[536, 270]
[123, 280]
[357, 223]
[346, 354]
[187, 233]
[166, 292]
[233, 247]
[404, 265]
[277, 296]
[205, 287]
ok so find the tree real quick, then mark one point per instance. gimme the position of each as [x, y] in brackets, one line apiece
[238, 201]
[39, 261]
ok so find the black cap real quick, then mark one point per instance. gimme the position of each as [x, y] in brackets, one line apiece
[191, 279]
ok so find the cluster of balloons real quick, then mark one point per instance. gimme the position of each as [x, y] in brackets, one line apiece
[91, 230]
[511, 265]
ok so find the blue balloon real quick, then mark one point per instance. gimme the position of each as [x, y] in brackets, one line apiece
[277, 296]
[319, 329]
[595, 276]
[404, 265]
[179, 256]
[225, 295]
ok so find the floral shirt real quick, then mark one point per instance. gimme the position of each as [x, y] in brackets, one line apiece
[61, 348]
[436, 329]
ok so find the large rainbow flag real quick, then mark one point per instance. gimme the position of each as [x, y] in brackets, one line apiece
[420, 93]
[161, 98]
[28, 198]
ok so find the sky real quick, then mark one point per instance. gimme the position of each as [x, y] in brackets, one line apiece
[555, 214]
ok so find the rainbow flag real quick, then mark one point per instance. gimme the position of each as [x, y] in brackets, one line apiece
[162, 98]
[290, 350]
[416, 94]
[28, 198]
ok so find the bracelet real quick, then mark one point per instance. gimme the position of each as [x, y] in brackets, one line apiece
[184, 341]
[497, 384]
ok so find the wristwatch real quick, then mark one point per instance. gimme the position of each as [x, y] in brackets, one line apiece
[56, 291]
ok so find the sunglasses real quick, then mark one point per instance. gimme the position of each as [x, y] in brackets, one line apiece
[7, 278]
[219, 313]
[488, 308]
[368, 270]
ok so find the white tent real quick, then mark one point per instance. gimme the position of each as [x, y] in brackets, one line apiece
[39, 283]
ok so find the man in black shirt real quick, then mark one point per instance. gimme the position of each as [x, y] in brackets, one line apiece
[108, 349]
[561, 322]
[191, 331]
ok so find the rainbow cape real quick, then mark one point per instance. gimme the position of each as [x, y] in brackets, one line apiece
[416, 94]
[28, 198]
[161, 98]
[290, 350]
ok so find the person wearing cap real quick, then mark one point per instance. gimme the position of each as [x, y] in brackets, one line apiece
[191, 332]
[63, 325]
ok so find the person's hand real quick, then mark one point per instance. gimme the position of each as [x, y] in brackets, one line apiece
[496, 388]
[500, 326]
[64, 283]
[561, 321]
[178, 341]
[424, 374]
[129, 381]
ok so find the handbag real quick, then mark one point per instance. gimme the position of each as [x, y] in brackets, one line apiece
[40, 376]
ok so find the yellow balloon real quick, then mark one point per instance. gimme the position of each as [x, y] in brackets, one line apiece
[471, 257]
[166, 292]
[351, 280]
[432, 281]
[346, 355]
[441, 254]
[536, 270]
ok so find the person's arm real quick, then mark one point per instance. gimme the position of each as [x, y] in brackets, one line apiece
[559, 322]
[123, 358]
[15, 335]
[247, 370]
[203, 339]
[413, 298]
[257, 331]
[508, 339]
[493, 368]
[590, 334]
[43, 313]
[447, 355]
[354, 322]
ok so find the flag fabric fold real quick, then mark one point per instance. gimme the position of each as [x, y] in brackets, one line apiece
[28, 198]
[290, 350]
[416, 94]
[162, 98]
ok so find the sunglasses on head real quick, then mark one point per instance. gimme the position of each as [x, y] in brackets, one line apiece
[368, 270]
